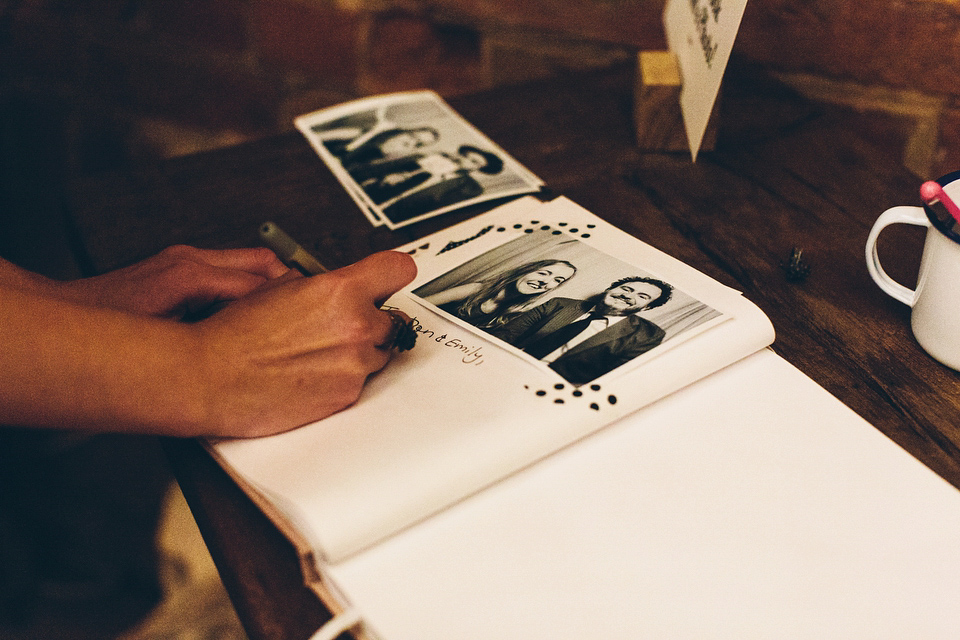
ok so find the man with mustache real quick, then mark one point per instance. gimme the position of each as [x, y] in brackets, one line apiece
[584, 339]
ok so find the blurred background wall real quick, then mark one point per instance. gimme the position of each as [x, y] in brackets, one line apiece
[89, 85]
[172, 76]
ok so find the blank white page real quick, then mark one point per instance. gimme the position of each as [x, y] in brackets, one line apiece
[752, 504]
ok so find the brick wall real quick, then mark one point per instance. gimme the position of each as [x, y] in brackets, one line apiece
[177, 75]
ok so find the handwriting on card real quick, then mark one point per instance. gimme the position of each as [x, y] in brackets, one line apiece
[701, 16]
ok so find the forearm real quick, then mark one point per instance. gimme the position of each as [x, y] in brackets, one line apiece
[278, 357]
[12, 276]
[70, 366]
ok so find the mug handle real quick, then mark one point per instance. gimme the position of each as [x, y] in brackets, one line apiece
[896, 215]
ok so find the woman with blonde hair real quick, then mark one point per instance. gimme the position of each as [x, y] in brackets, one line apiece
[493, 301]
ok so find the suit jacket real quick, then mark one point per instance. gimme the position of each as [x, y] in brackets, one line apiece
[455, 188]
[452, 190]
[595, 356]
[374, 173]
[363, 121]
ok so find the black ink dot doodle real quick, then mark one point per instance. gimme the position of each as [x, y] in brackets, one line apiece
[560, 390]
[456, 243]
[422, 247]
[591, 226]
[534, 222]
[501, 228]
[517, 226]
[545, 227]
[585, 235]
[562, 224]
[556, 233]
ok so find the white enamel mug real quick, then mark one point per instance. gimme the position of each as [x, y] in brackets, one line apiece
[935, 315]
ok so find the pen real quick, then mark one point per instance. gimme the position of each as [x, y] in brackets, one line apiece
[936, 198]
[289, 252]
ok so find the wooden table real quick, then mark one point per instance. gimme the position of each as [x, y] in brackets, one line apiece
[786, 173]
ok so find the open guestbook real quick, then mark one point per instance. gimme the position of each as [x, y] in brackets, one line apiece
[660, 473]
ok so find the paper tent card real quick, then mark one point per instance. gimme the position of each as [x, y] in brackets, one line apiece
[701, 34]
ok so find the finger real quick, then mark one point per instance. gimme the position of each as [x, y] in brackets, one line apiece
[290, 275]
[401, 335]
[258, 261]
[217, 284]
[404, 318]
[379, 359]
[395, 322]
[382, 274]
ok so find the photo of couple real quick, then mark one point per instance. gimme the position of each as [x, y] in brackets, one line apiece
[409, 156]
[577, 310]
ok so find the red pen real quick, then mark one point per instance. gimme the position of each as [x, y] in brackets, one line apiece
[936, 198]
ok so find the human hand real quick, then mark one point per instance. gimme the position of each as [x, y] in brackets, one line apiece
[299, 351]
[177, 281]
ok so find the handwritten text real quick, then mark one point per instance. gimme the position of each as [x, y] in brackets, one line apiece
[701, 17]
[469, 354]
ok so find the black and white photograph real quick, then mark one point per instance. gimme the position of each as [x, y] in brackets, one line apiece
[559, 301]
[406, 157]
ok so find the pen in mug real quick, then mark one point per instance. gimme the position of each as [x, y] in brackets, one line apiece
[289, 252]
[933, 194]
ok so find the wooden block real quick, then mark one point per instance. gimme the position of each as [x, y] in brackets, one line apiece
[656, 110]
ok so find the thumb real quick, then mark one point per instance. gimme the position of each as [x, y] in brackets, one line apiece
[382, 274]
